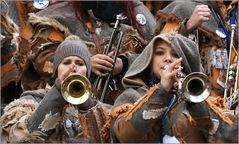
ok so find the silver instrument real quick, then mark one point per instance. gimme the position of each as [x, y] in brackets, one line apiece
[231, 93]
[195, 87]
[228, 65]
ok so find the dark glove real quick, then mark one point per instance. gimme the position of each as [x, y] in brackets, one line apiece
[198, 109]
[51, 104]
[87, 105]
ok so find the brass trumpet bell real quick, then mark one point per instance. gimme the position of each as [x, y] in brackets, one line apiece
[76, 89]
[196, 87]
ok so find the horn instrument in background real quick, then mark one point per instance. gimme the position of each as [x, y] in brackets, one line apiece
[119, 18]
[76, 89]
[228, 84]
[102, 97]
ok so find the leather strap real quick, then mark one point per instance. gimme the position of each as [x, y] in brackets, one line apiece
[85, 18]
[169, 121]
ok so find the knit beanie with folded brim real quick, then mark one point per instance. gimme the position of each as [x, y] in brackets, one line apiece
[184, 47]
[71, 46]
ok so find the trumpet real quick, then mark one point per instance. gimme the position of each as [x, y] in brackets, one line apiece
[228, 65]
[116, 33]
[231, 92]
[195, 87]
[76, 89]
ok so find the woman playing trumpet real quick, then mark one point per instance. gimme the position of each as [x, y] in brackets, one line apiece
[149, 109]
[40, 117]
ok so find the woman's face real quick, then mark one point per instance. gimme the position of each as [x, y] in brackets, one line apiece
[71, 65]
[163, 56]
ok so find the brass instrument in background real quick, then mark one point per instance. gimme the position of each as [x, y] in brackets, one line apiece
[231, 84]
[231, 93]
[76, 89]
[116, 34]
[229, 59]
[195, 87]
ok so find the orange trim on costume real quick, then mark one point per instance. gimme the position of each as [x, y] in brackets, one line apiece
[141, 102]
[170, 26]
[25, 29]
[218, 111]
[56, 36]
[114, 114]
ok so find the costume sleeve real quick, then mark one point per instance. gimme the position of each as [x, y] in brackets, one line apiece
[14, 119]
[200, 113]
[140, 121]
[30, 119]
[47, 116]
[127, 59]
[92, 122]
[182, 29]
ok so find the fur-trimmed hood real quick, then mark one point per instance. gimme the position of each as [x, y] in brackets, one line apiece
[184, 47]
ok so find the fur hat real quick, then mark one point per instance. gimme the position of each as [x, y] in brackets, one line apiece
[72, 46]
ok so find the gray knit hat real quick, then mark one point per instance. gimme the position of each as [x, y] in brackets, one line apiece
[72, 46]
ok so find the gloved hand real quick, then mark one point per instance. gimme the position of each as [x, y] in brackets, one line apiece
[51, 104]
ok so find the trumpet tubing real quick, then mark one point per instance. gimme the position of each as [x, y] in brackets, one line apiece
[231, 84]
[233, 26]
[76, 89]
[114, 34]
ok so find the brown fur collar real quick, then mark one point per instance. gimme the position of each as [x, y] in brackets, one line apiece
[164, 17]
[43, 25]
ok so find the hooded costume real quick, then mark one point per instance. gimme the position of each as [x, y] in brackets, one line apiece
[176, 15]
[40, 116]
[138, 110]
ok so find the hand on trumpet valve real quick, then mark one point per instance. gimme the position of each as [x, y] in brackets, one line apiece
[168, 74]
[101, 64]
[180, 74]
